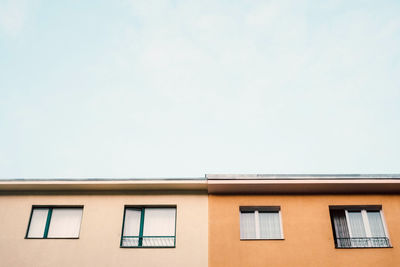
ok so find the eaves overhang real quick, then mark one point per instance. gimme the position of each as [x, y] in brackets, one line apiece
[219, 184]
[77, 185]
[303, 184]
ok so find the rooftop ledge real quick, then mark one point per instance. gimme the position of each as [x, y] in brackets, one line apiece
[222, 184]
[299, 176]
[303, 183]
[103, 185]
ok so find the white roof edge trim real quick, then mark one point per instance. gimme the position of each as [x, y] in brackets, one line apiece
[299, 176]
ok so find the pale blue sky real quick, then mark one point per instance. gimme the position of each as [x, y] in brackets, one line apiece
[184, 88]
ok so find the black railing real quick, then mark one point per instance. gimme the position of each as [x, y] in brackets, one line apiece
[363, 242]
[148, 241]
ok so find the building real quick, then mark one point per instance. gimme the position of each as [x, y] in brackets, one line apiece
[222, 220]
[93, 223]
[304, 220]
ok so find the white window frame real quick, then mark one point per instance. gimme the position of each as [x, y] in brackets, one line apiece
[384, 225]
[256, 211]
[356, 241]
[367, 227]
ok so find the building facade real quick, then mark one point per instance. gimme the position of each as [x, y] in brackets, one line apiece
[222, 220]
[295, 221]
[93, 223]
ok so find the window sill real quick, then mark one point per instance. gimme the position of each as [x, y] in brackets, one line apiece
[146, 247]
[52, 238]
[260, 239]
[361, 247]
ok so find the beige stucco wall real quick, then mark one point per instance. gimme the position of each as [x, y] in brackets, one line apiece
[307, 232]
[98, 244]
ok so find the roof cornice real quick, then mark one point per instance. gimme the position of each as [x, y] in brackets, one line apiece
[300, 176]
[326, 186]
[221, 184]
[104, 185]
[303, 183]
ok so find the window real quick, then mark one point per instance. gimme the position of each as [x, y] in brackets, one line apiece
[149, 227]
[55, 222]
[359, 227]
[260, 223]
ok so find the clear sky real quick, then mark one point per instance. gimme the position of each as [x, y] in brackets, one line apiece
[183, 88]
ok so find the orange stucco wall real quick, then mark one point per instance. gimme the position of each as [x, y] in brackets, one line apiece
[308, 238]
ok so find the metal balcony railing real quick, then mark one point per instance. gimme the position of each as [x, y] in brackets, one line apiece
[363, 242]
[148, 241]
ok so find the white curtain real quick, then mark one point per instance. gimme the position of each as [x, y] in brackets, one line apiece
[247, 225]
[38, 223]
[357, 229]
[377, 229]
[131, 227]
[375, 224]
[65, 222]
[159, 222]
[270, 226]
[159, 225]
[356, 224]
[132, 222]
